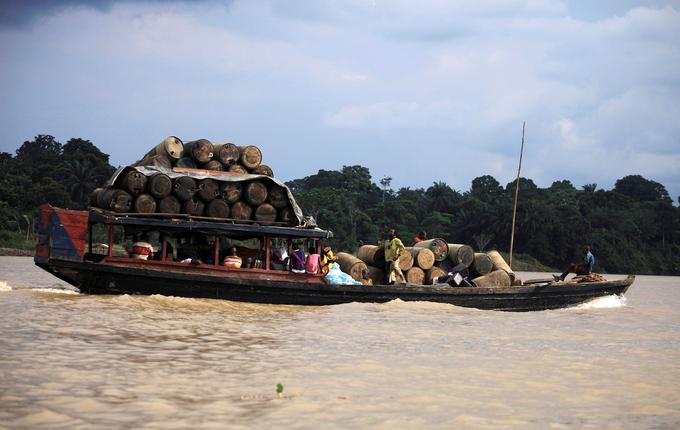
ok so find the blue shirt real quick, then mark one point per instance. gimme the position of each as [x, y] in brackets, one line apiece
[589, 261]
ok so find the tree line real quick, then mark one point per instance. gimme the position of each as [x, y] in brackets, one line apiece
[633, 228]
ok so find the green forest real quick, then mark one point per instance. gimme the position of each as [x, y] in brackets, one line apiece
[633, 228]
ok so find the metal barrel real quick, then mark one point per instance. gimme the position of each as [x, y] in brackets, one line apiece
[171, 148]
[265, 214]
[159, 185]
[231, 191]
[144, 204]
[200, 150]
[255, 193]
[184, 188]
[226, 153]
[217, 208]
[251, 156]
[208, 189]
[263, 169]
[278, 197]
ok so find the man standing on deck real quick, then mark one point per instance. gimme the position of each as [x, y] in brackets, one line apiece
[584, 268]
[393, 249]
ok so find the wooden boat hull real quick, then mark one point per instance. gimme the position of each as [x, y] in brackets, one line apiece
[204, 282]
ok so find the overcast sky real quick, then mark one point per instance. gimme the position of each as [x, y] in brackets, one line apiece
[419, 91]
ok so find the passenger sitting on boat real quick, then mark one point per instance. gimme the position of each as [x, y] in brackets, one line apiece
[297, 259]
[327, 259]
[584, 268]
[279, 260]
[393, 249]
[421, 237]
[142, 249]
[312, 263]
[232, 261]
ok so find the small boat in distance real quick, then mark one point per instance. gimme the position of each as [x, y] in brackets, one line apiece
[66, 248]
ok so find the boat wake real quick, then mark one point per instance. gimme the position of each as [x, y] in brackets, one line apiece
[612, 301]
[56, 290]
[4, 286]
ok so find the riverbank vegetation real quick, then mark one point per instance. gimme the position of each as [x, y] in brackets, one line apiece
[633, 228]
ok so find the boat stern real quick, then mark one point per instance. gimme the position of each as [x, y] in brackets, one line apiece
[62, 234]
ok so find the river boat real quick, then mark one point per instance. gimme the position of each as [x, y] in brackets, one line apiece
[65, 249]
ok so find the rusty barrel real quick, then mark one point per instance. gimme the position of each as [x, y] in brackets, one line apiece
[134, 182]
[251, 156]
[415, 275]
[255, 193]
[287, 216]
[144, 204]
[500, 264]
[482, 264]
[496, 279]
[213, 165]
[265, 214]
[432, 274]
[102, 197]
[438, 246]
[351, 265]
[226, 153]
[169, 205]
[377, 275]
[170, 148]
[184, 188]
[115, 200]
[208, 189]
[422, 257]
[200, 150]
[186, 163]
[217, 208]
[94, 197]
[278, 197]
[155, 160]
[193, 207]
[241, 211]
[372, 255]
[237, 168]
[461, 254]
[263, 169]
[159, 185]
[231, 191]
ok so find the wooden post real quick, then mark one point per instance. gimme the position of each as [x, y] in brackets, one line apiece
[110, 253]
[164, 252]
[514, 209]
[217, 251]
[267, 246]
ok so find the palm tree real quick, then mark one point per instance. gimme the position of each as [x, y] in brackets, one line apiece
[80, 181]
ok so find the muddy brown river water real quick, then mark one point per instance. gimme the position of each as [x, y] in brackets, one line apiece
[84, 362]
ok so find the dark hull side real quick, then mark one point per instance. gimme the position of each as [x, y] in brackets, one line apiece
[96, 278]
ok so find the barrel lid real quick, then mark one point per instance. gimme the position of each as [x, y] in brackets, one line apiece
[173, 146]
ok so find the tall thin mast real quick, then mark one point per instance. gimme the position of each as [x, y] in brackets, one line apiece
[514, 209]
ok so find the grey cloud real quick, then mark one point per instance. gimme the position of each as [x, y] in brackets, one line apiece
[18, 13]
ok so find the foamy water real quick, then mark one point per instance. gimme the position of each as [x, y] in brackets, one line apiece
[78, 361]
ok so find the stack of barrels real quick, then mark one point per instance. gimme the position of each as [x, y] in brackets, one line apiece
[203, 154]
[426, 261]
[416, 264]
[258, 200]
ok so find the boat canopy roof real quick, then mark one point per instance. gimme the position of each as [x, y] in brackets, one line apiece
[209, 228]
